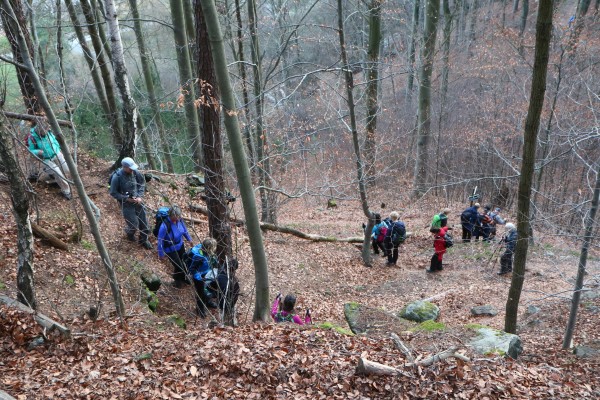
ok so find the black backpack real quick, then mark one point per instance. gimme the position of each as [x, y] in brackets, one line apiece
[161, 216]
[111, 176]
[449, 241]
[397, 233]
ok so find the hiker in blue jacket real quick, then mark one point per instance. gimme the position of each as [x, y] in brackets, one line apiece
[510, 243]
[170, 243]
[127, 186]
[202, 261]
[469, 219]
[394, 237]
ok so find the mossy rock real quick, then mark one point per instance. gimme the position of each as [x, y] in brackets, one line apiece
[176, 320]
[152, 300]
[152, 281]
[492, 341]
[372, 321]
[420, 311]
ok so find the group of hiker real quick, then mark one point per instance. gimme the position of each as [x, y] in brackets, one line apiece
[475, 224]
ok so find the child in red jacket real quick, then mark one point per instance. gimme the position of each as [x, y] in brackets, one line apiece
[439, 244]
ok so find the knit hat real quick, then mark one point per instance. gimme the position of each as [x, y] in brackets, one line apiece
[510, 227]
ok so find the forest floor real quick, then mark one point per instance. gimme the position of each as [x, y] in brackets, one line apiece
[147, 356]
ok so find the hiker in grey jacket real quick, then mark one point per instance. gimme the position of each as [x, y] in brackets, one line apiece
[510, 241]
[127, 186]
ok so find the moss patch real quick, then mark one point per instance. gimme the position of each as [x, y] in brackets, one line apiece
[429, 326]
[337, 328]
[476, 326]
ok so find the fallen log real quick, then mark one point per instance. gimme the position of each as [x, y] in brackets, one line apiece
[27, 117]
[439, 296]
[283, 229]
[366, 367]
[402, 347]
[49, 237]
[451, 352]
[48, 323]
[5, 396]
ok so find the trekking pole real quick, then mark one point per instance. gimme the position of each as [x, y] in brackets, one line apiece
[494, 254]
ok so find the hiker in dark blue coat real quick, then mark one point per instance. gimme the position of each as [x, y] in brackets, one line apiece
[469, 219]
[394, 237]
[128, 185]
[170, 243]
[202, 261]
[510, 243]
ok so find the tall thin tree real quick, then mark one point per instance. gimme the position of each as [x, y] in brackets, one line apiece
[261, 269]
[20, 205]
[532, 123]
[432, 12]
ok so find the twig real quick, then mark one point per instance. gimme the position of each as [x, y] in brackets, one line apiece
[402, 347]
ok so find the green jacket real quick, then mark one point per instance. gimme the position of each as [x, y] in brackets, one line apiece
[47, 144]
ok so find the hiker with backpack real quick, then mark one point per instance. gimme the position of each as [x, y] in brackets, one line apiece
[378, 235]
[486, 224]
[510, 242]
[440, 243]
[282, 310]
[202, 260]
[469, 219]
[225, 285]
[496, 220]
[43, 144]
[394, 237]
[171, 233]
[440, 220]
[127, 186]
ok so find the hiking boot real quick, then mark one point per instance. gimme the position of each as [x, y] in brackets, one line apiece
[131, 238]
[429, 271]
[177, 284]
[146, 245]
[504, 272]
[211, 304]
[67, 196]
[33, 177]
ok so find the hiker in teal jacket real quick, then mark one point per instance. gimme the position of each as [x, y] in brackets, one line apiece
[43, 144]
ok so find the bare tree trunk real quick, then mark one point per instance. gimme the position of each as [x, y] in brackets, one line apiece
[524, 14]
[261, 269]
[27, 91]
[41, 95]
[190, 33]
[103, 63]
[412, 49]
[262, 142]
[446, 52]
[244, 82]
[212, 148]
[20, 205]
[372, 86]
[38, 55]
[587, 243]
[149, 80]
[422, 158]
[360, 167]
[186, 81]
[532, 124]
[129, 111]
[89, 59]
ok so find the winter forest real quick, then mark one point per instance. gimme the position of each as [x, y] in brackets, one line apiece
[199, 199]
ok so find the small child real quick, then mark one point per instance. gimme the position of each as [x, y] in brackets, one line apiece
[283, 311]
[439, 244]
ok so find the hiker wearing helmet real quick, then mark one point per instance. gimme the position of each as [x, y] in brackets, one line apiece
[510, 242]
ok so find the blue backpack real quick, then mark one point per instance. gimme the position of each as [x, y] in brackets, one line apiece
[161, 216]
[397, 233]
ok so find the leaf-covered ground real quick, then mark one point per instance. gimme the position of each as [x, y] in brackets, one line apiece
[149, 357]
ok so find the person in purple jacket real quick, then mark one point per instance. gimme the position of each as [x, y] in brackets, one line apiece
[283, 311]
[170, 243]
